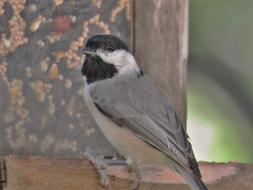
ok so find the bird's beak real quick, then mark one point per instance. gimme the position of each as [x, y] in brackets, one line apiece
[88, 51]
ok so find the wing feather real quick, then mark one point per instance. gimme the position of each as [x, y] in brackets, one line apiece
[137, 105]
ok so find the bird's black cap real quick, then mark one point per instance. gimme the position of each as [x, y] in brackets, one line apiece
[104, 42]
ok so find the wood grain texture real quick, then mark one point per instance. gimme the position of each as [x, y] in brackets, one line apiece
[160, 38]
[39, 173]
[3, 174]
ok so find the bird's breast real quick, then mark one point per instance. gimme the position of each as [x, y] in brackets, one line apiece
[124, 140]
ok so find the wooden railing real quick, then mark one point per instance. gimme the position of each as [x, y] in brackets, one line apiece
[40, 173]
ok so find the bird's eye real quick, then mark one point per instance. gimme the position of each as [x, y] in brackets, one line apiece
[110, 48]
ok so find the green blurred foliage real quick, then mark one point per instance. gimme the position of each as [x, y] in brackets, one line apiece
[220, 91]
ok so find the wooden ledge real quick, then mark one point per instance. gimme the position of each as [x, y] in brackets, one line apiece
[39, 173]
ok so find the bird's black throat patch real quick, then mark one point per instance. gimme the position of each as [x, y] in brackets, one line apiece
[94, 68]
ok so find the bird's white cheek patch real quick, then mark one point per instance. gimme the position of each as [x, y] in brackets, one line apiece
[104, 55]
[123, 60]
[110, 57]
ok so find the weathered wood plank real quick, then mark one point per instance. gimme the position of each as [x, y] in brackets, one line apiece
[39, 173]
[160, 40]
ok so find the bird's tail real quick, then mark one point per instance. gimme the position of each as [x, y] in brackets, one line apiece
[193, 181]
[197, 184]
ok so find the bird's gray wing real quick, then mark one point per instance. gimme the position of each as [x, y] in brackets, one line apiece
[136, 104]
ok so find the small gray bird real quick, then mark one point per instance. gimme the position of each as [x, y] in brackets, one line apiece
[132, 113]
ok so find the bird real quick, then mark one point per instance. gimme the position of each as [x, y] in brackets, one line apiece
[132, 113]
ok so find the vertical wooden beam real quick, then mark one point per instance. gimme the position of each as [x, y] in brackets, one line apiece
[161, 45]
[3, 174]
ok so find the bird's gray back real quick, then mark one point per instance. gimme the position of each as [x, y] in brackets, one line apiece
[134, 102]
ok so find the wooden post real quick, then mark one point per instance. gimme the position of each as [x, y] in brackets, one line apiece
[161, 44]
[39, 173]
[3, 174]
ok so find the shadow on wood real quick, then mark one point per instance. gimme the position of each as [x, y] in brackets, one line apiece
[38, 173]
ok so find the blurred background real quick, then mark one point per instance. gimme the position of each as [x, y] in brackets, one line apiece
[41, 106]
[220, 80]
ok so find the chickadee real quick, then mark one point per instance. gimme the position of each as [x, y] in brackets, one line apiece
[132, 113]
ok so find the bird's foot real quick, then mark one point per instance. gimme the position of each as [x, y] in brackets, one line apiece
[99, 164]
[135, 170]
[133, 167]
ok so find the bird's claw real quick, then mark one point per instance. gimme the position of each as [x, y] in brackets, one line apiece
[137, 177]
[135, 170]
[99, 164]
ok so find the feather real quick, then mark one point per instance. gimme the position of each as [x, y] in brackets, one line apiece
[137, 105]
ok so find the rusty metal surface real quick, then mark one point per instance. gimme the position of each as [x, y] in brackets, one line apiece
[41, 106]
